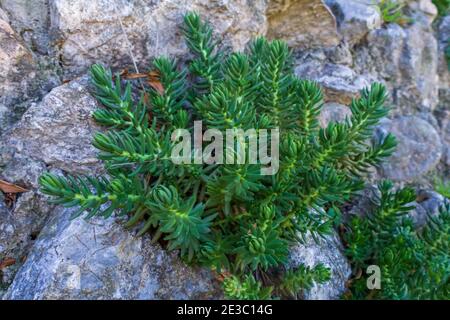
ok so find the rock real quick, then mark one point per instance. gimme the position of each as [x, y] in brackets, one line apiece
[4, 16]
[419, 148]
[340, 54]
[302, 23]
[90, 31]
[99, 259]
[340, 83]
[425, 6]
[406, 60]
[58, 131]
[328, 251]
[21, 78]
[444, 73]
[428, 204]
[333, 112]
[30, 18]
[355, 18]
[54, 134]
[444, 122]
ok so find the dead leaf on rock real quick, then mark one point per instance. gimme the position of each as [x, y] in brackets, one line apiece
[7, 187]
[7, 262]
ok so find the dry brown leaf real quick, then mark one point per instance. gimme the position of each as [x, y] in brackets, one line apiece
[157, 85]
[7, 262]
[133, 76]
[7, 187]
[154, 81]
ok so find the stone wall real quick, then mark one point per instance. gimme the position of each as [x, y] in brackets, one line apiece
[46, 47]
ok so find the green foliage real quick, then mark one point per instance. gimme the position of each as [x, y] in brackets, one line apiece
[391, 11]
[304, 278]
[442, 187]
[443, 6]
[228, 217]
[414, 264]
[247, 289]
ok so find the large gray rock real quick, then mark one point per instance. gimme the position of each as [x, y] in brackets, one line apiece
[21, 77]
[340, 83]
[58, 131]
[99, 259]
[90, 31]
[328, 251]
[406, 59]
[418, 152]
[302, 23]
[30, 18]
[54, 134]
[355, 18]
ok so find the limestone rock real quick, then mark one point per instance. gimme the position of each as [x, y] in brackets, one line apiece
[99, 259]
[30, 18]
[91, 31]
[54, 134]
[406, 59]
[21, 79]
[419, 148]
[328, 251]
[58, 131]
[302, 23]
[340, 83]
[355, 18]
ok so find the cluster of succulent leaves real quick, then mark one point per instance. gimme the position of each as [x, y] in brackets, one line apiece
[228, 217]
[414, 263]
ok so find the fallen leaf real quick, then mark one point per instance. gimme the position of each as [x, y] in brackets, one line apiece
[154, 81]
[7, 262]
[133, 76]
[157, 85]
[7, 187]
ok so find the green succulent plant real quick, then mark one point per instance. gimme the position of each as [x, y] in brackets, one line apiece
[228, 217]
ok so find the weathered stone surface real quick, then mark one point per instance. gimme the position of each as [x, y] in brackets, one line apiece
[55, 133]
[445, 134]
[406, 60]
[444, 73]
[30, 18]
[4, 16]
[90, 31]
[428, 204]
[426, 8]
[333, 112]
[355, 18]
[17, 69]
[58, 131]
[419, 148]
[328, 251]
[340, 83]
[21, 79]
[99, 259]
[302, 23]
